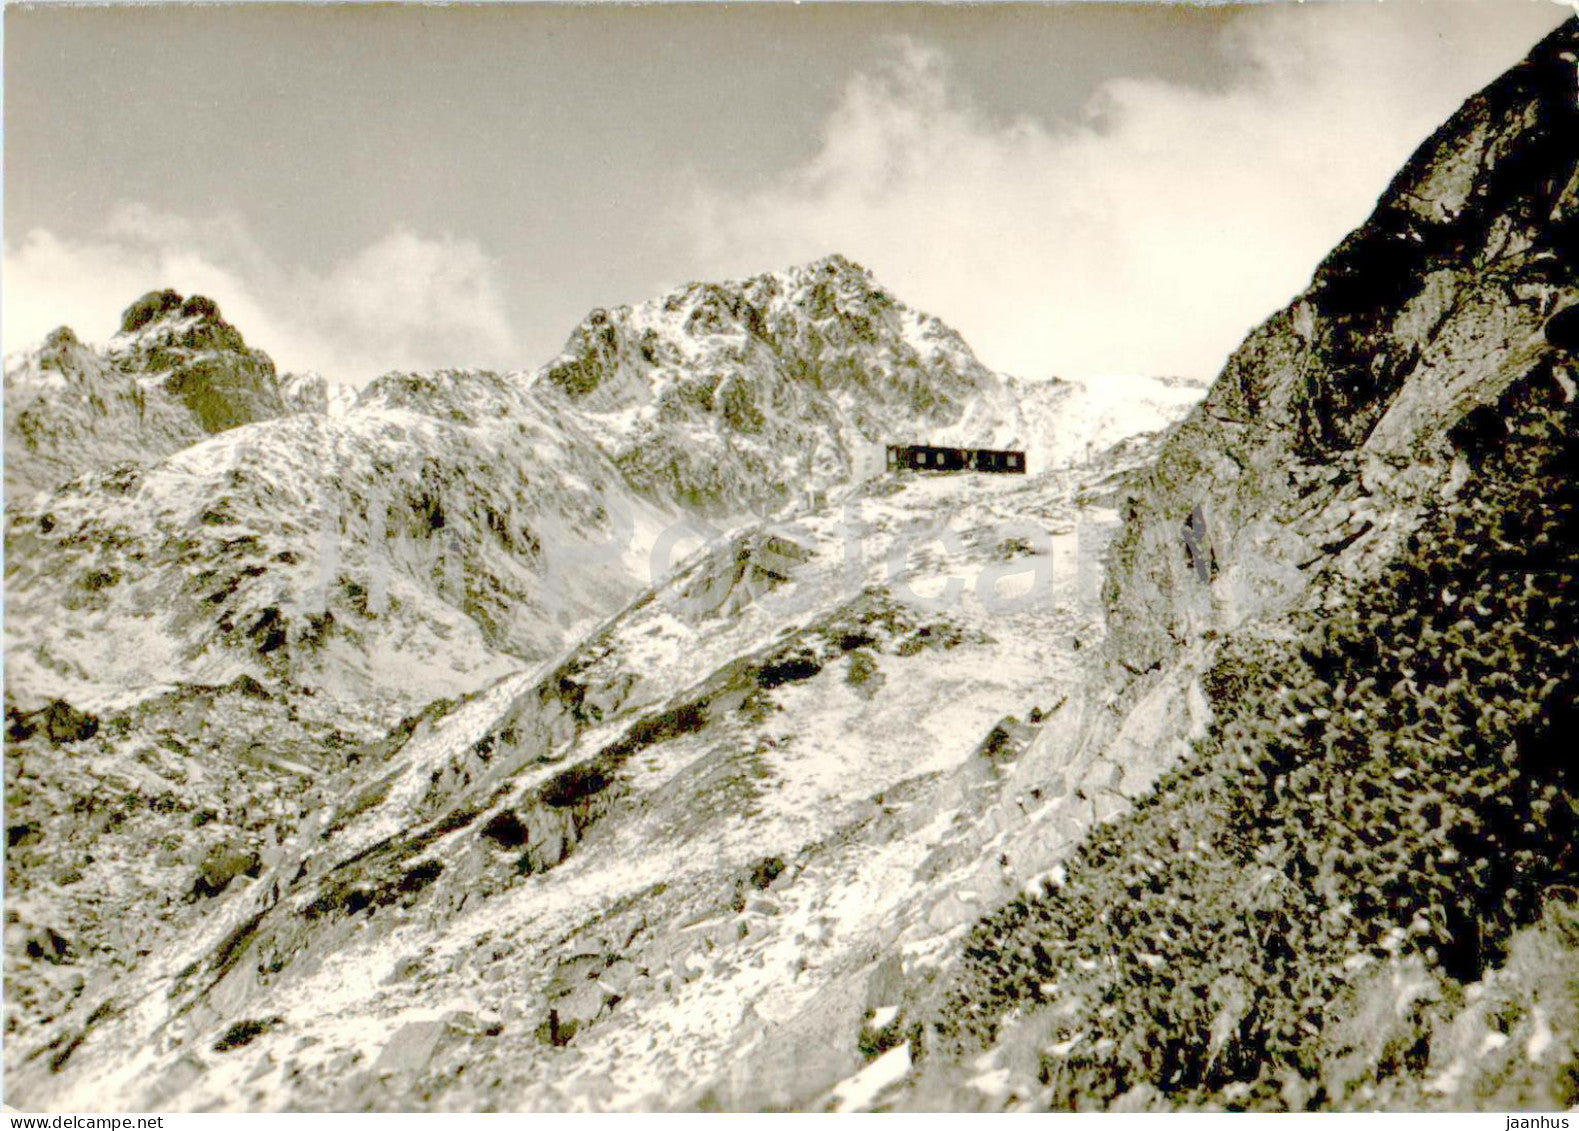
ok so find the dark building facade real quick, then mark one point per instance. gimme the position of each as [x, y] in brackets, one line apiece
[925, 457]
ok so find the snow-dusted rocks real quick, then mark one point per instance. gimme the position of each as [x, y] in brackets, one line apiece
[195, 355]
[734, 397]
[420, 544]
[175, 372]
[712, 823]
[435, 695]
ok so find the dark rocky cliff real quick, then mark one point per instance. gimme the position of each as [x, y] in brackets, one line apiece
[1298, 834]
[1367, 397]
[1356, 891]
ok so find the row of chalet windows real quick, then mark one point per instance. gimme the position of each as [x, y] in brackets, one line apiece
[924, 457]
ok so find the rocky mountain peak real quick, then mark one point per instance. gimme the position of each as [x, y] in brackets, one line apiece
[62, 337]
[830, 303]
[61, 354]
[457, 396]
[1366, 392]
[1491, 188]
[720, 393]
[338, 778]
[311, 392]
[174, 372]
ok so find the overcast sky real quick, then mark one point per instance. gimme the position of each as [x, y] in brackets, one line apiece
[1080, 189]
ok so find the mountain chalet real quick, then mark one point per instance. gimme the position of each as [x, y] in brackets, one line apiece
[925, 457]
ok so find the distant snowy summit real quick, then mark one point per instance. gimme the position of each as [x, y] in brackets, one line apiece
[443, 528]
[722, 395]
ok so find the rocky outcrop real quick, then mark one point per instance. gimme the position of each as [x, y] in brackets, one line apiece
[1346, 413]
[312, 392]
[174, 373]
[1340, 610]
[195, 355]
[462, 521]
[1298, 833]
[70, 409]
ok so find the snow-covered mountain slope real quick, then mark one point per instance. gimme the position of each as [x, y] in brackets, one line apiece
[69, 409]
[1355, 563]
[424, 542]
[1103, 411]
[411, 639]
[444, 528]
[720, 825]
[176, 372]
[312, 392]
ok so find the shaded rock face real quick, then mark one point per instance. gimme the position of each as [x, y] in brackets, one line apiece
[1346, 412]
[70, 409]
[1562, 329]
[176, 372]
[1359, 557]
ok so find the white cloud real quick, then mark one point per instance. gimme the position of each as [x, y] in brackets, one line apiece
[1148, 237]
[405, 301]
